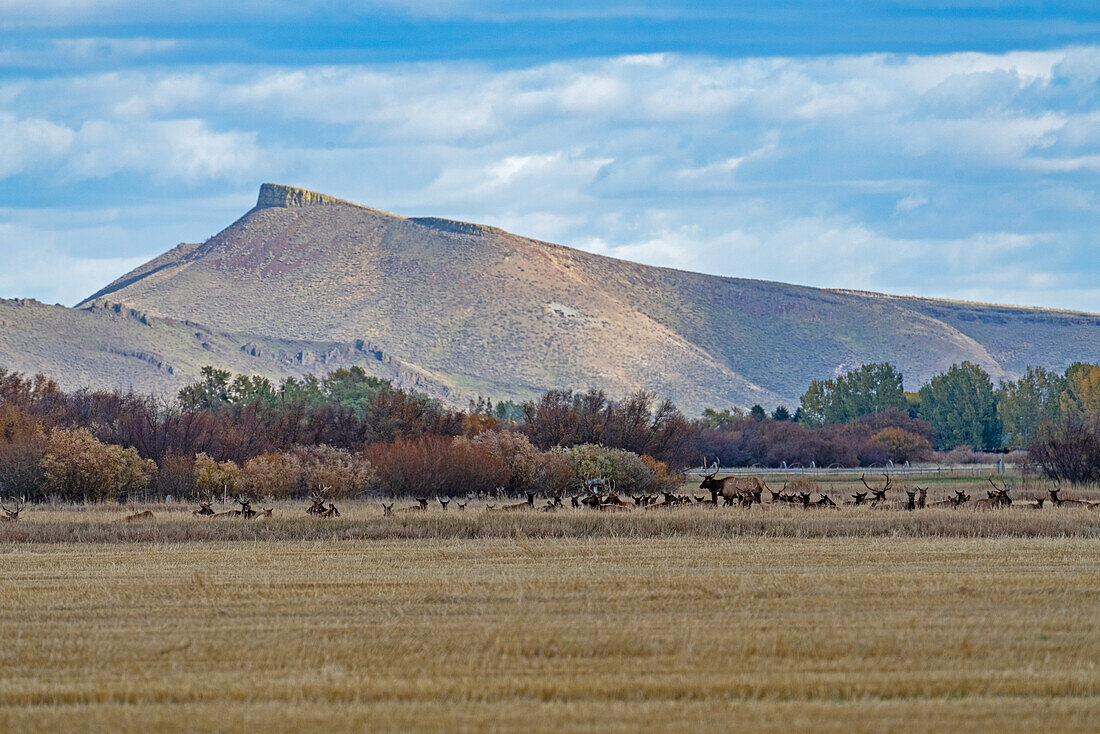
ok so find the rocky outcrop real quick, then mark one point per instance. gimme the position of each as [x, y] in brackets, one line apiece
[289, 196]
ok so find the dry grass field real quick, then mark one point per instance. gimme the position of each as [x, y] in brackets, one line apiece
[702, 619]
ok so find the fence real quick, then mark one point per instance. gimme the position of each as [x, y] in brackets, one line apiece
[901, 470]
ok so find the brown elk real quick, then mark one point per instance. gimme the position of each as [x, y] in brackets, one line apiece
[420, 506]
[996, 498]
[954, 502]
[521, 505]
[317, 506]
[443, 502]
[461, 505]
[246, 510]
[264, 512]
[858, 498]
[1058, 501]
[12, 515]
[139, 516]
[911, 499]
[730, 488]
[879, 493]
[387, 510]
[205, 509]
[922, 497]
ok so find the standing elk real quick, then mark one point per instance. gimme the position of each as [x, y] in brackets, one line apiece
[11, 515]
[731, 488]
[443, 502]
[461, 505]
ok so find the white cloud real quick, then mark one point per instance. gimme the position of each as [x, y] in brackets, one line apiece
[30, 141]
[863, 171]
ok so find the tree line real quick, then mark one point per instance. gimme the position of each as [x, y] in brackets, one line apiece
[355, 433]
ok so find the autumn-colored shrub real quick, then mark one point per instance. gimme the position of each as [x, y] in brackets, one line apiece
[902, 446]
[215, 478]
[433, 466]
[624, 469]
[270, 475]
[337, 471]
[175, 476]
[516, 452]
[663, 480]
[77, 466]
[554, 475]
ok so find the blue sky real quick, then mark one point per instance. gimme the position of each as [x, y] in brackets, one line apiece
[927, 147]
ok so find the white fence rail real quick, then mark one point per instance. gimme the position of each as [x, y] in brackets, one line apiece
[902, 470]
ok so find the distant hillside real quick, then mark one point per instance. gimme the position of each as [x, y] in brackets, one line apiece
[111, 346]
[463, 309]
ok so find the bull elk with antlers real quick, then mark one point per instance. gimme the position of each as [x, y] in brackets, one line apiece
[878, 494]
[12, 515]
[743, 490]
[317, 507]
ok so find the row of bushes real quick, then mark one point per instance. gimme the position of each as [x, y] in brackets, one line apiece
[71, 465]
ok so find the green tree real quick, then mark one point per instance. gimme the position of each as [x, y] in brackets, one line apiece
[781, 413]
[962, 408]
[1024, 404]
[868, 390]
[757, 413]
[209, 392]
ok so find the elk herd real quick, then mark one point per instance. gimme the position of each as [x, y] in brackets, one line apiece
[601, 495]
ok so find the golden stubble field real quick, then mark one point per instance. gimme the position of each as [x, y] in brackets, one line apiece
[668, 632]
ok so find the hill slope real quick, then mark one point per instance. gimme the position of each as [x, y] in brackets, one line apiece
[108, 346]
[480, 310]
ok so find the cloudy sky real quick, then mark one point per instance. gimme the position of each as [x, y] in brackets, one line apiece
[929, 147]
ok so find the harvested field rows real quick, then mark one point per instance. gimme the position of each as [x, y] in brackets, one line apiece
[592, 634]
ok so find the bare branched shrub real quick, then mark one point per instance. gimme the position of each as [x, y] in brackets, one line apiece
[554, 475]
[1068, 451]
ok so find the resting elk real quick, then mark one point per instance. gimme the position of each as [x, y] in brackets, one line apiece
[878, 494]
[521, 505]
[732, 489]
[318, 508]
[205, 509]
[12, 515]
[139, 516]
[1059, 502]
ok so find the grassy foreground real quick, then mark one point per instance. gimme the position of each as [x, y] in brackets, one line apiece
[553, 634]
